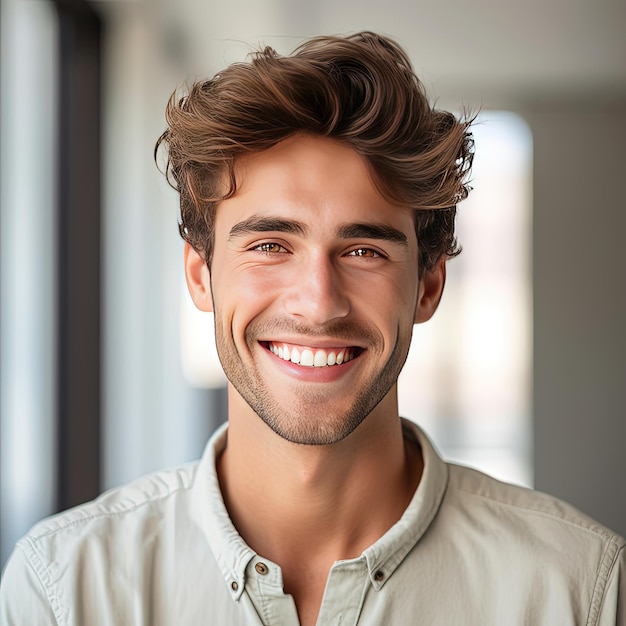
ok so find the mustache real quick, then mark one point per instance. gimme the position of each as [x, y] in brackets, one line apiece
[346, 330]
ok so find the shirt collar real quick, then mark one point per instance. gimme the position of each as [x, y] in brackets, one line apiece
[383, 557]
[208, 509]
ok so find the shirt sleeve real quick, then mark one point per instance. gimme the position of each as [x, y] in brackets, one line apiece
[23, 599]
[613, 609]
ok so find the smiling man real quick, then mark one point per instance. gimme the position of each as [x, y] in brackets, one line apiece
[299, 251]
[318, 195]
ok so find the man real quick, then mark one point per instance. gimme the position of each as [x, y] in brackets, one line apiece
[318, 196]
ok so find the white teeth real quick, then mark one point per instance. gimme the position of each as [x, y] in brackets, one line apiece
[308, 357]
[320, 359]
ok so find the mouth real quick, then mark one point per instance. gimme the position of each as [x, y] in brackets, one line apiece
[307, 356]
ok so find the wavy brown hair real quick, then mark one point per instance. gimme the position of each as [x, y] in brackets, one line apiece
[360, 90]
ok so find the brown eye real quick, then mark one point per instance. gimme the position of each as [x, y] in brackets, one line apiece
[364, 252]
[269, 247]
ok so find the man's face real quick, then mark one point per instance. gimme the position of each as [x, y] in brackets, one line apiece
[314, 285]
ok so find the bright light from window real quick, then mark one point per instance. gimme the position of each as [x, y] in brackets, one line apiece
[201, 365]
[467, 378]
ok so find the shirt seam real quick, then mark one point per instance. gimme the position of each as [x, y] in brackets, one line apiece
[613, 545]
[104, 514]
[32, 555]
[592, 529]
[607, 563]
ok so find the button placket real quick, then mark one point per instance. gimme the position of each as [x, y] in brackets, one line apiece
[346, 588]
[264, 587]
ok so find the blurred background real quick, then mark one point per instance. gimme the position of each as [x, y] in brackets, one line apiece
[107, 371]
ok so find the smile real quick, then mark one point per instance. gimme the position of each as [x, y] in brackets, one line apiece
[312, 357]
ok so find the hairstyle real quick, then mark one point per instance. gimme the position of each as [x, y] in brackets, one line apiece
[360, 90]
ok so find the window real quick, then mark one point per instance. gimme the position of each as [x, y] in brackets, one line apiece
[467, 378]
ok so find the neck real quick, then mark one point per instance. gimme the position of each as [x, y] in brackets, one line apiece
[332, 500]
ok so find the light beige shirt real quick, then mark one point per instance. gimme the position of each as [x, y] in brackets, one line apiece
[468, 550]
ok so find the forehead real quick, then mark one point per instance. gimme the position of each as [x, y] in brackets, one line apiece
[304, 159]
[310, 178]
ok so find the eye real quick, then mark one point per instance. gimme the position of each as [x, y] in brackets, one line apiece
[269, 247]
[366, 253]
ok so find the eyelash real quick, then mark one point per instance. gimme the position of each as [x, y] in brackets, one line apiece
[262, 248]
[365, 253]
[362, 252]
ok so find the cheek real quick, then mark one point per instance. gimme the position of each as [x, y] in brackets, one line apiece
[232, 283]
[407, 291]
[242, 295]
[392, 311]
[396, 297]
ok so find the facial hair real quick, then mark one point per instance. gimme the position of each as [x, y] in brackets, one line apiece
[308, 419]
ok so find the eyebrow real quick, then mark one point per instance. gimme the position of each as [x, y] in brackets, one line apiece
[372, 231]
[261, 224]
[258, 224]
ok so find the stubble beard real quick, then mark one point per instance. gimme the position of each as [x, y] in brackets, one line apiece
[298, 420]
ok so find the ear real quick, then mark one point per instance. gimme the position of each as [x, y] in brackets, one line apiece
[198, 279]
[430, 291]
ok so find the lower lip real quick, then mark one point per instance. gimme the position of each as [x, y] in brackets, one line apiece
[324, 374]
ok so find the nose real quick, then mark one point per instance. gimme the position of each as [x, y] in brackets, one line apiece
[317, 292]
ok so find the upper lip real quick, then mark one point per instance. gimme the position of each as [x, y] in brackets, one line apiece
[313, 342]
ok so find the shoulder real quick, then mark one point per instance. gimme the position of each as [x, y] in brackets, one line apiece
[543, 539]
[471, 490]
[105, 548]
[117, 521]
[147, 495]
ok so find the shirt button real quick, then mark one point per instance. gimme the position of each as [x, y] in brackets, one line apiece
[261, 568]
[234, 586]
[379, 575]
